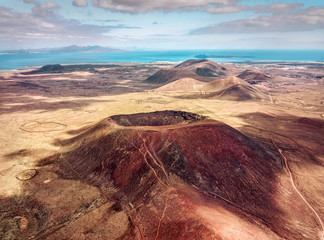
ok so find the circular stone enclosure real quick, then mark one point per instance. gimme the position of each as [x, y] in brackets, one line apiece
[42, 126]
[159, 118]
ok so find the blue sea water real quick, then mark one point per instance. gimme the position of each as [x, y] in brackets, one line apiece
[23, 60]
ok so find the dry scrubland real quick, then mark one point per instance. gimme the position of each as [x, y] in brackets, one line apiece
[197, 150]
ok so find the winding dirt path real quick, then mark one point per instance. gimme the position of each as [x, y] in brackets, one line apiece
[163, 214]
[271, 100]
[321, 233]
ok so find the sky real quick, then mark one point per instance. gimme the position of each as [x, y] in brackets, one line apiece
[163, 24]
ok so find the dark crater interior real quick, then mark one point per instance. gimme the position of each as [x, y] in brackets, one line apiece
[159, 118]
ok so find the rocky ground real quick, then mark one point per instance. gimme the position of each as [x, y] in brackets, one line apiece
[60, 178]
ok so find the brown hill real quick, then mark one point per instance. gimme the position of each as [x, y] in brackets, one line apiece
[192, 85]
[193, 62]
[179, 175]
[200, 69]
[165, 76]
[203, 67]
[183, 85]
[235, 89]
[253, 77]
[232, 88]
[240, 92]
[221, 84]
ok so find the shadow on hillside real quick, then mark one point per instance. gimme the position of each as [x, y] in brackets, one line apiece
[300, 135]
[26, 104]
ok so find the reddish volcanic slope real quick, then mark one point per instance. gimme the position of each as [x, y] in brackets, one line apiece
[253, 77]
[200, 69]
[232, 88]
[175, 172]
[239, 92]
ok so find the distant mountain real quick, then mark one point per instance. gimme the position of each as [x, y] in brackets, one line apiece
[72, 48]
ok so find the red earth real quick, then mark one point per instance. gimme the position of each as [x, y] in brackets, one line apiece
[167, 168]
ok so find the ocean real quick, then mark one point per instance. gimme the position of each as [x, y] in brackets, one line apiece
[23, 60]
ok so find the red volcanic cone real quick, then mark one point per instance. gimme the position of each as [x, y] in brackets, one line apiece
[146, 155]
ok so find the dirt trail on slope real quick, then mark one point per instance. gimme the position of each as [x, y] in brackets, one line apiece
[321, 233]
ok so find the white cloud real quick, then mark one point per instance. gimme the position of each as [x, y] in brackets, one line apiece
[17, 28]
[140, 6]
[80, 3]
[300, 20]
[222, 9]
[45, 9]
[276, 8]
[29, 1]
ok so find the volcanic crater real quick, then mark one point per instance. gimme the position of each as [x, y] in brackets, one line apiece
[160, 118]
[148, 156]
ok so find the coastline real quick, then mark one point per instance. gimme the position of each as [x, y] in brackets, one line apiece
[166, 63]
[23, 60]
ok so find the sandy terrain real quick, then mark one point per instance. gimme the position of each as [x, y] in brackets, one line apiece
[42, 112]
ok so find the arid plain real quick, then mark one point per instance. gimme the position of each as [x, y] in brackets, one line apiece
[197, 150]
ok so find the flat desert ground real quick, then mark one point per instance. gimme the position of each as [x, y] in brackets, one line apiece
[46, 116]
